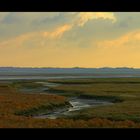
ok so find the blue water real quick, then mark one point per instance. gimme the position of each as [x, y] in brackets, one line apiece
[37, 77]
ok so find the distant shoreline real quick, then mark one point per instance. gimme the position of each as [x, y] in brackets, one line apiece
[59, 76]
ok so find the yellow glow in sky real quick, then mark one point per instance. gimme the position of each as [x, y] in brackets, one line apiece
[82, 39]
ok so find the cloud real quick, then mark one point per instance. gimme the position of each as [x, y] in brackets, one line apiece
[122, 51]
[39, 36]
[61, 43]
[27, 17]
[14, 24]
[3, 15]
[58, 32]
[130, 39]
[84, 17]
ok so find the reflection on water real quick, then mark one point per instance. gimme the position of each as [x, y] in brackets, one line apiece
[77, 104]
[43, 77]
[49, 84]
[45, 86]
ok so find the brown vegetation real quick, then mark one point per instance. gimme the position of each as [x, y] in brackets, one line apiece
[12, 100]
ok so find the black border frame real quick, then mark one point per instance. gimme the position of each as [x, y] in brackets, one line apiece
[68, 6]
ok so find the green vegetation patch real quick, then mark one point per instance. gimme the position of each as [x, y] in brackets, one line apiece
[43, 109]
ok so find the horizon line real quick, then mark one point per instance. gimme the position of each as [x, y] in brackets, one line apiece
[69, 67]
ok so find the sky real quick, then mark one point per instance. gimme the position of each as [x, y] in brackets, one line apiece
[70, 39]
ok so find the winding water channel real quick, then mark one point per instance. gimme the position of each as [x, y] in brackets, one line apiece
[76, 104]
